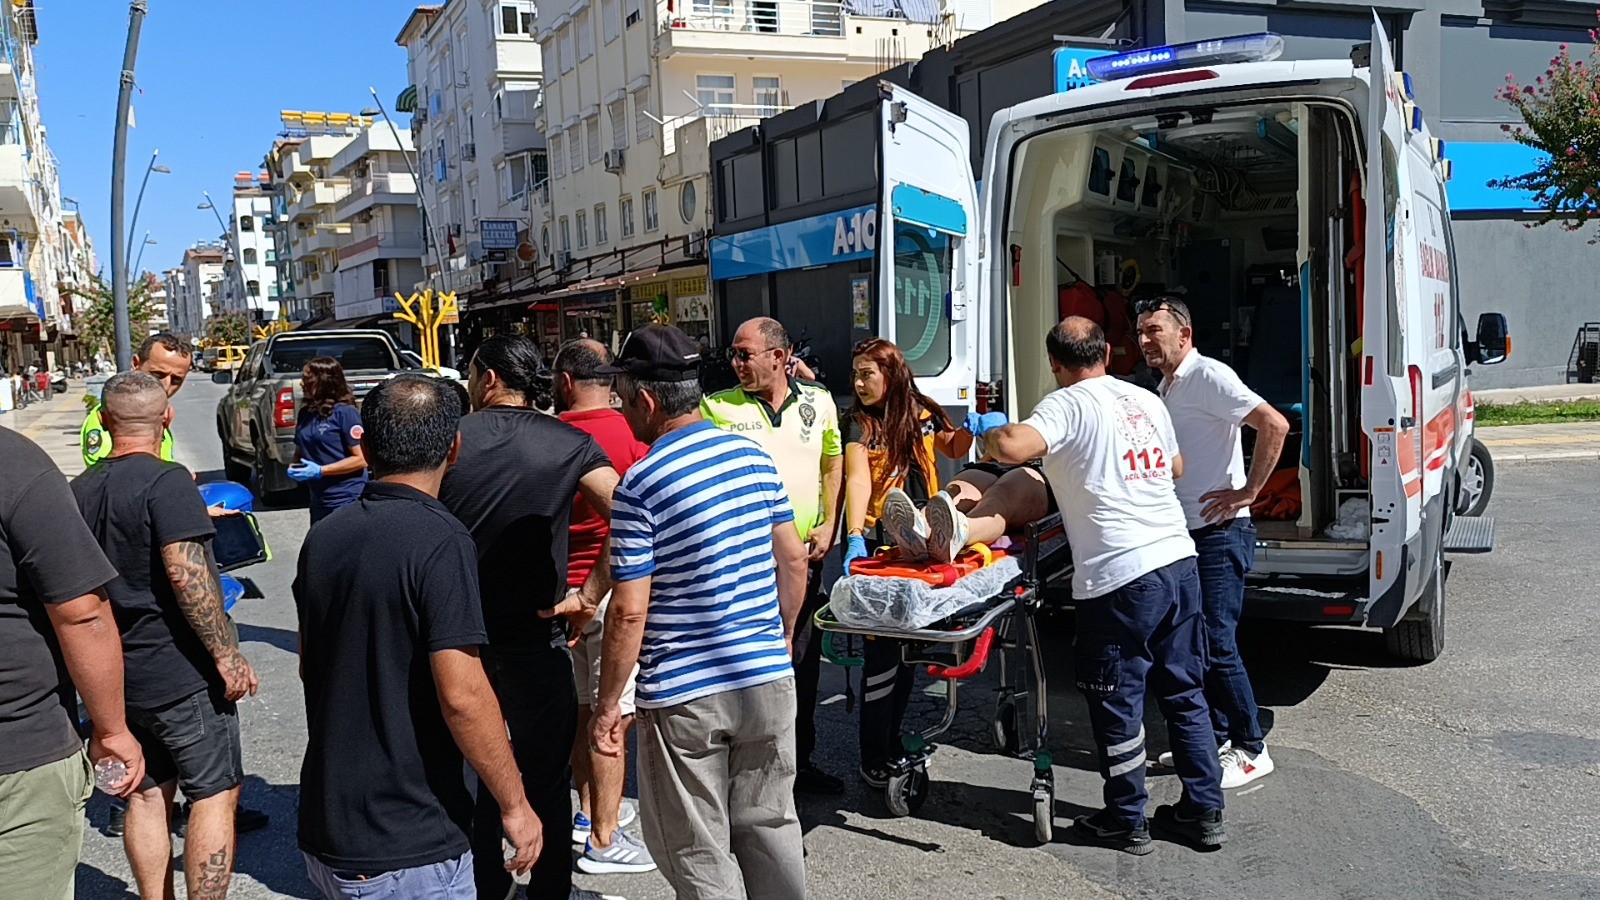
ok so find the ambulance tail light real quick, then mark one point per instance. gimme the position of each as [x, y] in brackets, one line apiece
[1416, 394]
[283, 409]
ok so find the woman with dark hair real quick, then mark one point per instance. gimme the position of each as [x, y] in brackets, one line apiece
[327, 438]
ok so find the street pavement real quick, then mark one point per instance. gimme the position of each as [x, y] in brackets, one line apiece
[1510, 444]
[1475, 776]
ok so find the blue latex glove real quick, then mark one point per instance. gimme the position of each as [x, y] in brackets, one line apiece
[304, 470]
[855, 548]
[983, 423]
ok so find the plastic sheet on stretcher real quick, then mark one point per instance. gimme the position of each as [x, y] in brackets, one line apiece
[907, 604]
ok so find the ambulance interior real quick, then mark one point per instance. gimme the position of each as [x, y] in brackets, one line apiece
[1247, 212]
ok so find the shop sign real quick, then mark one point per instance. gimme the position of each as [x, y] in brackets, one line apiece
[498, 234]
[819, 240]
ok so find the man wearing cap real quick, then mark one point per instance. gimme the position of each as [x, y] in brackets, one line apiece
[708, 574]
[797, 423]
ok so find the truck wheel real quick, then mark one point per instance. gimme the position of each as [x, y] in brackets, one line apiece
[1476, 481]
[232, 469]
[1419, 637]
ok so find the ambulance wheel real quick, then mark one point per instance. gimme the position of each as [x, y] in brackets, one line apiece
[1419, 637]
[906, 793]
[1004, 729]
[1044, 815]
[1476, 481]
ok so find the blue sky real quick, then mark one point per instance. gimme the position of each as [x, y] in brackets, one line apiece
[212, 77]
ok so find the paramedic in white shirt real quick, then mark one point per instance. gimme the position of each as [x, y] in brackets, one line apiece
[1110, 457]
[1208, 403]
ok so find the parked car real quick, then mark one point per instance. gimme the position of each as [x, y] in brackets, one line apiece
[256, 418]
[415, 359]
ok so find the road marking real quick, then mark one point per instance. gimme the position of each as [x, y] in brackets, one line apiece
[1250, 790]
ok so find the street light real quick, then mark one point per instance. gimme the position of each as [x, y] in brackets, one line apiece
[133, 225]
[147, 242]
[123, 344]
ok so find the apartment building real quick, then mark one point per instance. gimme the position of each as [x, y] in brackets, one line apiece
[382, 250]
[251, 279]
[34, 324]
[160, 303]
[304, 234]
[79, 266]
[192, 286]
[476, 83]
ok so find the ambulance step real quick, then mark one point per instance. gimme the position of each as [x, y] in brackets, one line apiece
[1470, 534]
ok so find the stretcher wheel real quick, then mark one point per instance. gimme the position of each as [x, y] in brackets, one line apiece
[1004, 728]
[906, 792]
[1044, 814]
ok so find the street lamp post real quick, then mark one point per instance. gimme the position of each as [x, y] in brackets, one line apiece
[134, 273]
[227, 233]
[119, 165]
[133, 225]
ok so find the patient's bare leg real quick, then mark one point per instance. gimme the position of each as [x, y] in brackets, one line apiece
[1014, 499]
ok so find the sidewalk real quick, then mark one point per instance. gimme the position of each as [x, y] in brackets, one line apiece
[1539, 443]
[54, 425]
[1544, 393]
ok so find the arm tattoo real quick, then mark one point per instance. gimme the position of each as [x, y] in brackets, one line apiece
[199, 595]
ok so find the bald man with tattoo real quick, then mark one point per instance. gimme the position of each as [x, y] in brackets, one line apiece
[183, 671]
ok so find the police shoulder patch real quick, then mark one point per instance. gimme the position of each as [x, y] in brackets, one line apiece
[93, 440]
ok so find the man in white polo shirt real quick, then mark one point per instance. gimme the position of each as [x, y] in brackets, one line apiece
[1110, 457]
[1208, 404]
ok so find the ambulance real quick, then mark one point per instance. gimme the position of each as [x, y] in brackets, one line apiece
[1299, 206]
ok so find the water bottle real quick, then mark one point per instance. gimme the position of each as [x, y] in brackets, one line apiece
[108, 773]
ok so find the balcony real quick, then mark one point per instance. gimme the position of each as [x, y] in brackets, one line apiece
[383, 245]
[686, 140]
[19, 198]
[17, 296]
[520, 137]
[812, 30]
[325, 238]
[393, 188]
[317, 198]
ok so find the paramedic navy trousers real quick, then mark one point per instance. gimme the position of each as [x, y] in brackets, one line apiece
[885, 693]
[1148, 635]
[1227, 553]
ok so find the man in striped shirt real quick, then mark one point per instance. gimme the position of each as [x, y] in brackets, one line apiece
[708, 573]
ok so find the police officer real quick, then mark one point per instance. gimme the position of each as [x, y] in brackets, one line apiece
[163, 357]
[1110, 457]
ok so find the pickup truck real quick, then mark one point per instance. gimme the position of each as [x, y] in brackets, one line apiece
[256, 418]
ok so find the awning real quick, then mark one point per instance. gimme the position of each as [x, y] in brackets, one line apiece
[407, 101]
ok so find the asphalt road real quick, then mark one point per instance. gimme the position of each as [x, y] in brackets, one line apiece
[1475, 776]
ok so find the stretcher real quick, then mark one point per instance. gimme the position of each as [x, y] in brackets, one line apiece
[1000, 629]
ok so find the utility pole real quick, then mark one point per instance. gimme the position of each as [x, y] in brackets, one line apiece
[119, 165]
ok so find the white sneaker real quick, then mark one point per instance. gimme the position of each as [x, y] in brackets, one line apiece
[1165, 759]
[947, 528]
[1240, 766]
[626, 854]
[906, 525]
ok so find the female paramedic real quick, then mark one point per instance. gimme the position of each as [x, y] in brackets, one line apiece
[327, 439]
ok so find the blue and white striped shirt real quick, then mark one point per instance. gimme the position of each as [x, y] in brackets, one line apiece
[696, 516]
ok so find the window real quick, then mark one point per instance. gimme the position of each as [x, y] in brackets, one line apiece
[618, 112]
[601, 234]
[922, 264]
[714, 93]
[558, 160]
[249, 256]
[575, 148]
[566, 234]
[246, 223]
[583, 23]
[610, 20]
[769, 95]
[564, 38]
[591, 128]
[583, 229]
[254, 287]
[644, 127]
[652, 219]
[551, 51]
[517, 17]
[625, 216]
[472, 201]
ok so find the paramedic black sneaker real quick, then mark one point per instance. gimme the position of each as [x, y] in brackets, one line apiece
[875, 777]
[1104, 831]
[947, 528]
[905, 524]
[1202, 829]
[812, 780]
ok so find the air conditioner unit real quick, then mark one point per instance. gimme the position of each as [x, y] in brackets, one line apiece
[421, 115]
[613, 160]
[469, 151]
[563, 260]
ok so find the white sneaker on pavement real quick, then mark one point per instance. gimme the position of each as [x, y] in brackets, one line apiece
[905, 524]
[1165, 760]
[947, 528]
[1240, 766]
[626, 854]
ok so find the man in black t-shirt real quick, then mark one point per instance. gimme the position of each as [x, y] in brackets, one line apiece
[183, 671]
[513, 488]
[396, 695]
[56, 631]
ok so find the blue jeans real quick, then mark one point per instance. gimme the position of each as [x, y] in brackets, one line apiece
[447, 880]
[1148, 633]
[1227, 552]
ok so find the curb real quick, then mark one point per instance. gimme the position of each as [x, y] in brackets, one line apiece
[1546, 456]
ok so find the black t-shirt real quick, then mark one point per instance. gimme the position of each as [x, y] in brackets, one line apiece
[382, 583]
[47, 556]
[513, 487]
[135, 505]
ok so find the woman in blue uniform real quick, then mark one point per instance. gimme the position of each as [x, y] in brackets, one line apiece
[327, 438]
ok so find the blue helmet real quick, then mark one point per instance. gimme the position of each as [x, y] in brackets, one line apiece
[228, 495]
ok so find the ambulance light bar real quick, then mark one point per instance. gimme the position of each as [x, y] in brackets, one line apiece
[1245, 48]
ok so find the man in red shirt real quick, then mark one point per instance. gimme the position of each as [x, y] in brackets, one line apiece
[583, 400]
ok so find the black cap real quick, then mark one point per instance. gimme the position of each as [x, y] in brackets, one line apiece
[656, 353]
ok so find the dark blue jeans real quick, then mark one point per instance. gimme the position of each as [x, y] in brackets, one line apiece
[1227, 552]
[1148, 634]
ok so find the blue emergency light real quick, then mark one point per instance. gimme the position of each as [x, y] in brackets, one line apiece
[1244, 48]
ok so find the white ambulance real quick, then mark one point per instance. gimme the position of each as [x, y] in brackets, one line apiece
[1300, 207]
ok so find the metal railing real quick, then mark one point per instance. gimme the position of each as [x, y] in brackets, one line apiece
[381, 183]
[722, 119]
[817, 18]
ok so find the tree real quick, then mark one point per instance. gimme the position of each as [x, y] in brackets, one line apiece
[98, 318]
[1561, 117]
[228, 328]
